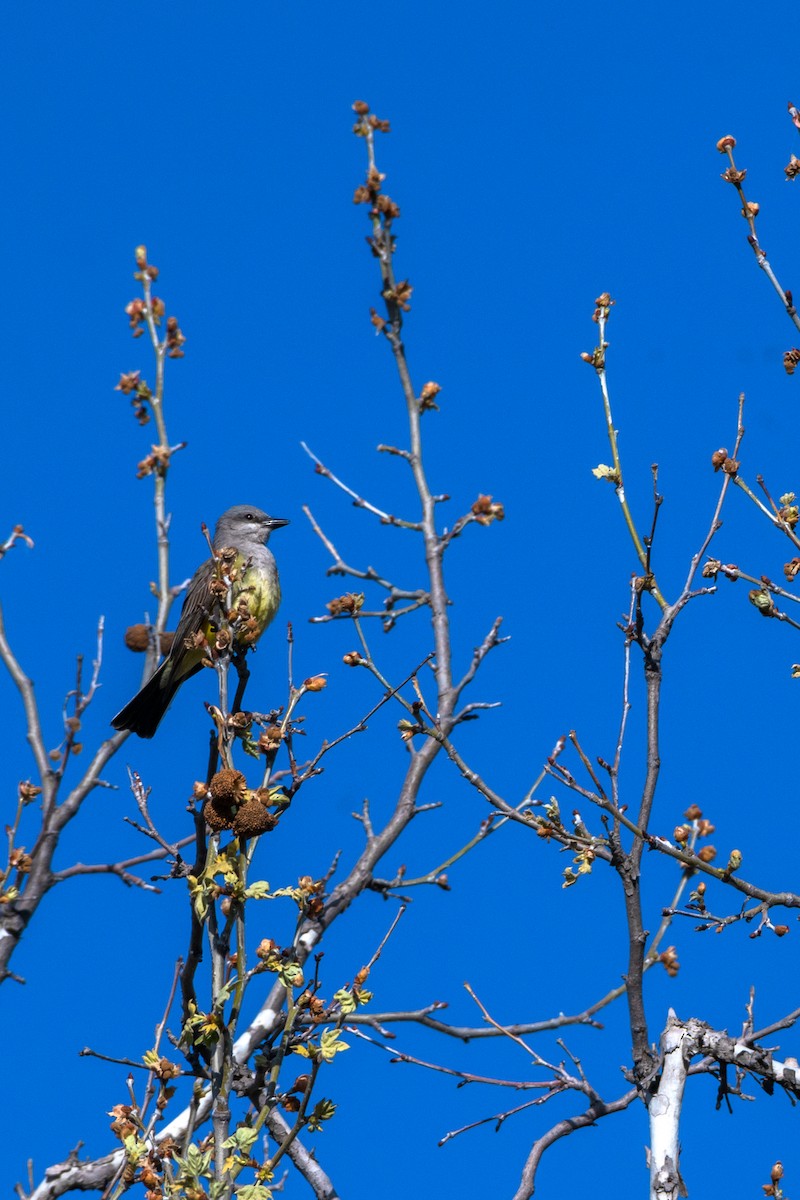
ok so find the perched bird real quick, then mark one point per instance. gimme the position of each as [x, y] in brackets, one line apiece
[242, 578]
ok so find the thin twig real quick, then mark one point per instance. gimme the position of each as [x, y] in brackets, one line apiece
[358, 501]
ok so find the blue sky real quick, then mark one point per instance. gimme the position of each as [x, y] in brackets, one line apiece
[539, 158]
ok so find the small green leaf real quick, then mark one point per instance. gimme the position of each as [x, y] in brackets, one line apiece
[226, 991]
[331, 1044]
[346, 1001]
[278, 798]
[242, 1138]
[258, 890]
[294, 893]
[135, 1149]
[254, 1191]
[250, 747]
[291, 975]
[323, 1111]
[196, 1164]
[604, 472]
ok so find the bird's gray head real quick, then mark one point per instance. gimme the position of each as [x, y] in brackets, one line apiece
[245, 523]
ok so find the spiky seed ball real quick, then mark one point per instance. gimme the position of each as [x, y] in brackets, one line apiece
[253, 819]
[228, 788]
[217, 819]
[137, 638]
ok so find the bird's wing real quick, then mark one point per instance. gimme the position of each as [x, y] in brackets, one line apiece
[198, 604]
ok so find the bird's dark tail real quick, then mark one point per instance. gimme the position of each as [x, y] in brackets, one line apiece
[143, 713]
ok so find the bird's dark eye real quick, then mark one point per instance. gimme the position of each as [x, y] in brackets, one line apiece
[249, 517]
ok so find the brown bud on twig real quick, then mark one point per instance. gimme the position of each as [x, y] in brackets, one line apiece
[726, 143]
[196, 641]
[792, 169]
[131, 384]
[349, 603]
[270, 739]
[707, 854]
[693, 812]
[789, 511]
[790, 360]
[135, 312]
[669, 960]
[427, 396]
[361, 977]
[175, 338]
[761, 599]
[128, 382]
[222, 640]
[20, 861]
[485, 510]
[385, 205]
[718, 458]
[315, 684]
[733, 176]
[361, 107]
[603, 306]
[400, 295]
[166, 1069]
[122, 1126]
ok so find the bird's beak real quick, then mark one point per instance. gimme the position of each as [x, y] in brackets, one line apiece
[277, 522]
